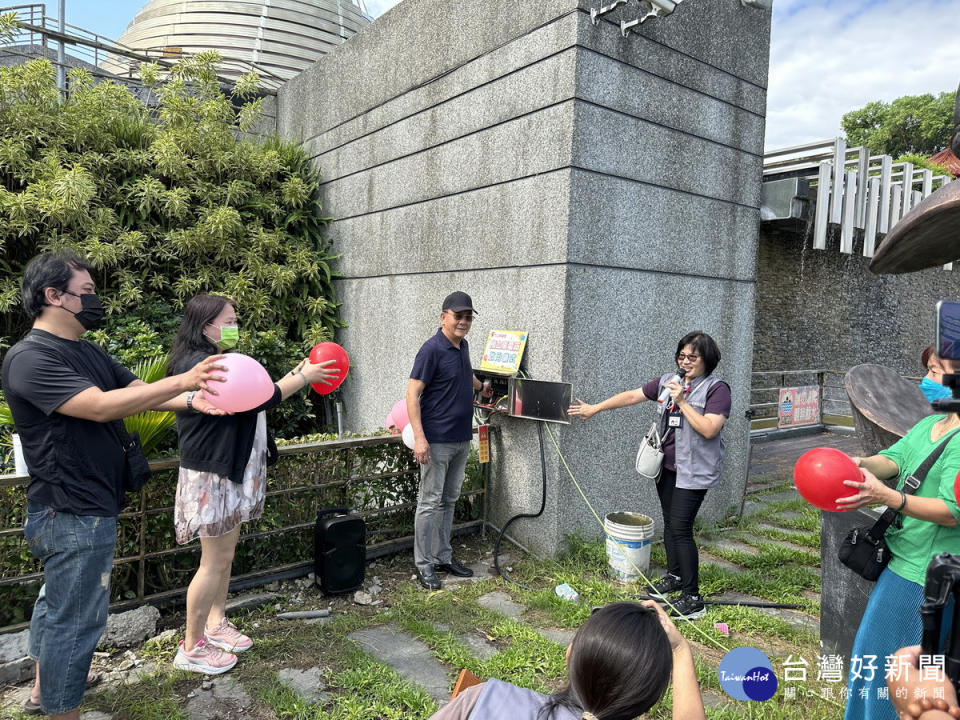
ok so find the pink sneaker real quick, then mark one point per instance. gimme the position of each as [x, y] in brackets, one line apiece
[226, 636]
[204, 658]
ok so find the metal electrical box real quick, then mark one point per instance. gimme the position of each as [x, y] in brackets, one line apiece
[539, 400]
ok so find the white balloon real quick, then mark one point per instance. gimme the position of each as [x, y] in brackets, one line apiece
[408, 436]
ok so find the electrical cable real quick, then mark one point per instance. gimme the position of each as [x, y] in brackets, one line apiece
[740, 603]
[543, 505]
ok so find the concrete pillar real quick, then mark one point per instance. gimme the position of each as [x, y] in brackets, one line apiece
[600, 192]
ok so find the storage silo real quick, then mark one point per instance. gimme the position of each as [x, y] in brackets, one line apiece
[278, 37]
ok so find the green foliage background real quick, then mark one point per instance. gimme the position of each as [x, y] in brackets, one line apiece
[166, 201]
[912, 124]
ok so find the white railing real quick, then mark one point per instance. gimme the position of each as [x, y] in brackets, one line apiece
[854, 189]
[105, 57]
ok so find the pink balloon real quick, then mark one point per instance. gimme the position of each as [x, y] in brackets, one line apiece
[391, 424]
[400, 417]
[247, 384]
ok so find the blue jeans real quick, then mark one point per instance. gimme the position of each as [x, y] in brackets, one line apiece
[440, 483]
[71, 610]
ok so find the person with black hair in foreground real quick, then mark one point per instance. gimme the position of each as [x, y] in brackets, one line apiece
[619, 665]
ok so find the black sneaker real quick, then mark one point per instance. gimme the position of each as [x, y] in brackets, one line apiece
[455, 567]
[428, 580]
[664, 586]
[688, 607]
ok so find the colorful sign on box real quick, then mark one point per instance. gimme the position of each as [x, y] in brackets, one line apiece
[503, 351]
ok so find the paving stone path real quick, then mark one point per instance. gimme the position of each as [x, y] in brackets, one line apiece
[225, 698]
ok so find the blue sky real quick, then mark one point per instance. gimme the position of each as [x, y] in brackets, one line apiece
[827, 57]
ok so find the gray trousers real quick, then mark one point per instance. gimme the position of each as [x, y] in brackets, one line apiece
[440, 483]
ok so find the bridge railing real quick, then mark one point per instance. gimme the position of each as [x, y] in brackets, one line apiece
[853, 190]
[765, 389]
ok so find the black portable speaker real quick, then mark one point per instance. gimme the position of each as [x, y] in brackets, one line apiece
[339, 551]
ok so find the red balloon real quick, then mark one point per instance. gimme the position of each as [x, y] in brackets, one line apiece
[330, 351]
[819, 475]
[956, 488]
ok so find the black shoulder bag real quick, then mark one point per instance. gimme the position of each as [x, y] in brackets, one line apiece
[864, 550]
[136, 465]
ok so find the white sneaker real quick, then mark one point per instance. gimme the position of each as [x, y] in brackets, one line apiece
[204, 658]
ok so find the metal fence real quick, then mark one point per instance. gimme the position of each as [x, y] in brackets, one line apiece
[854, 190]
[375, 477]
[40, 35]
[765, 395]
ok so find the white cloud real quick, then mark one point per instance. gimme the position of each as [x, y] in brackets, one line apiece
[827, 58]
[376, 8]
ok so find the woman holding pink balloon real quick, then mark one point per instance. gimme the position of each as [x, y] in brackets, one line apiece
[927, 524]
[223, 463]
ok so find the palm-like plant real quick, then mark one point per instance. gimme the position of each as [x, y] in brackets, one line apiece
[152, 425]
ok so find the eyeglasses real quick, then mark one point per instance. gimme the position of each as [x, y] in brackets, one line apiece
[461, 316]
[684, 356]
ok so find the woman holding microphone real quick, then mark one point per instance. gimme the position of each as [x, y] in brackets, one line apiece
[693, 407]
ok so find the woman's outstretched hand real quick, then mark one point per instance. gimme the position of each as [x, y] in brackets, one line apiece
[584, 410]
[318, 372]
[869, 491]
[201, 405]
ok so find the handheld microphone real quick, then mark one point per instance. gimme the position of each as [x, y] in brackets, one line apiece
[665, 393]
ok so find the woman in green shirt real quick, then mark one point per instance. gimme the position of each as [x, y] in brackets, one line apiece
[930, 526]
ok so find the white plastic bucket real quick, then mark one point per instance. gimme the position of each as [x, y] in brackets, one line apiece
[628, 544]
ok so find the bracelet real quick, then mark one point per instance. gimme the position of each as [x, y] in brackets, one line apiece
[903, 501]
[190, 396]
[302, 377]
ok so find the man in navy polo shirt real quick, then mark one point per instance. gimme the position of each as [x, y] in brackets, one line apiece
[440, 405]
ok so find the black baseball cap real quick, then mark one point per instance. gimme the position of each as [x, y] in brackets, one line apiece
[458, 301]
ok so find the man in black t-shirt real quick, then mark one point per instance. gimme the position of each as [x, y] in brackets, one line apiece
[67, 397]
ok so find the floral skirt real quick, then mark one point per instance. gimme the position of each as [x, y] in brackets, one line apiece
[210, 505]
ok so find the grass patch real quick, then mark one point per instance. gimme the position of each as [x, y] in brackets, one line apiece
[155, 697]
[360, 687]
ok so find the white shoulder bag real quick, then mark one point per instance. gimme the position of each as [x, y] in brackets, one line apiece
[650, 454]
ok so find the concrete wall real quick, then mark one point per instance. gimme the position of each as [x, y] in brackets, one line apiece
[825, 309]
[600, 192]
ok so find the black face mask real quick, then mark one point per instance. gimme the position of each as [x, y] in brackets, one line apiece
[91, 314]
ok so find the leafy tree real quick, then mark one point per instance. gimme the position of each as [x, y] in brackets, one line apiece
[912, 124]
[165, 201]
[921, 161]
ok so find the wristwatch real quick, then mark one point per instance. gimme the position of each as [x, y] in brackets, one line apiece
[190, 396]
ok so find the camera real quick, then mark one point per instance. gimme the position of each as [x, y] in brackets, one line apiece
[942, 584]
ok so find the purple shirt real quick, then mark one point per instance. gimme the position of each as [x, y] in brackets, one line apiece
[718, 403]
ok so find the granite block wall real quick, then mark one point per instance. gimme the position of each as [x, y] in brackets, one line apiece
[600, 192]
[825, 309]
